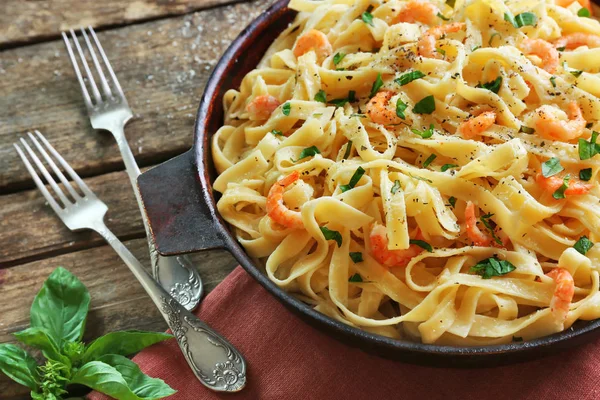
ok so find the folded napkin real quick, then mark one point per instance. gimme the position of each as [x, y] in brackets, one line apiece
[288, 359]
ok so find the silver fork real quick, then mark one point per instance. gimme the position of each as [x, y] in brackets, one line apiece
[215, 362]
[110, 111]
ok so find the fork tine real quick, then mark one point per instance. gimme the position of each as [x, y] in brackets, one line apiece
[107, 63]
[87, 69]
[84, 188]
[84, 90]
[103, 81]
[45, 172]
[38, 182]
[52, 164]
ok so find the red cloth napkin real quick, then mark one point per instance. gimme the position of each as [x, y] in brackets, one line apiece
[288, 359]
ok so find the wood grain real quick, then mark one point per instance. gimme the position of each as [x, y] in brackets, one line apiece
[31, 21]
[118, 301]
[162, 66]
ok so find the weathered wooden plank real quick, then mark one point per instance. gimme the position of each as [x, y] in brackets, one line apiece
[31, 21]
[118, 301]
[162, 66]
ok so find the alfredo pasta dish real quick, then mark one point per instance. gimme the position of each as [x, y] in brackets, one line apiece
[424, 170]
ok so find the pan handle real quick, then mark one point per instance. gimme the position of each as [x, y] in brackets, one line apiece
[180, 220]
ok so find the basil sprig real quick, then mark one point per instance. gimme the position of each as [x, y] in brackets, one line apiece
[492, 266]
[58, 317]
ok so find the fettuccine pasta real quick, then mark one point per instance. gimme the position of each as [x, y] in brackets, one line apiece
[423, 170]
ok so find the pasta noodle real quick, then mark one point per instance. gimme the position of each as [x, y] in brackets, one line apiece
[423, 170]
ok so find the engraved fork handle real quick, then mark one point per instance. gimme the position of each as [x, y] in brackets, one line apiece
[216, 363]
[176, 274]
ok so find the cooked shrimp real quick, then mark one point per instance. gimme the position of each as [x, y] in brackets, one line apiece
[387, 257]
[418, 11]
[313, 40]
[543, 50]
[577, 39]
[261, 107]
[475, 126]
[275, 207]
[551, 127]
[426, 43]
[379, 111]
[552, 183]
[563, 294]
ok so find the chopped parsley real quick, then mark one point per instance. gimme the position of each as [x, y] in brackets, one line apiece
[492, 38]
[348, 149]
[585, 174]
[527, 130]
[583, 245]
[338, 57]
[396, 186]
[340, 102]
[452, 201]
[492, 86]
[561, 48]
[356, 277]
[576, 73]
[332, 235]
[276, 132]
[492, 267]
[441, 51]
[551, 167]
[425, 106]
[491, 226]
[446, 167]
[422, 244]
[420, 178]
[589, 149]
[321, 96]
[356, 258]
[376, 85]
[584, 12]
[400, 108]
[553, 81]
[408, 77]
[367, 18]
[429, 160]
[354, 180]
[440, 15]
[475, 48]
[560, 192]
[523, 19]
[308, 152]
[358, 115]
[287, 107]
[424, 134]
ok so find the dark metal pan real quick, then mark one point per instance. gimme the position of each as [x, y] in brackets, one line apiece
[180, 204]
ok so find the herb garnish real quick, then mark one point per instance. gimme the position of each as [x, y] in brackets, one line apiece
[321, 96]
[450, 3]
[576, 73]
[332, 235]
[452, 201]
[440, 15]
[492, 86]
[425, 106]
[400, 108]
[340, 102]
[367, 18]
[338, 57]
[429, 160]
[356, 257]
[526, 129]
[308, 152]
[491, 226]
[583, 245]
[408, 77]
[354, 180]
[585, 174]
[396, 186]
[589, 149]
[560, 192]
[492, 267]
[348, 149]
[287, 107]
[446, 167]
[422, 244]
[424, 134]
[553, 81]
[276, 132]
[356, 277]
[376, 85]
[584, 12]
[523, 19]
[551, 167]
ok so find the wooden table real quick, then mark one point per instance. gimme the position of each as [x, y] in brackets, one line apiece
[162, 53]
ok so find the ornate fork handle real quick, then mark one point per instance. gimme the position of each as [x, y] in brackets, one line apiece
[216, 363]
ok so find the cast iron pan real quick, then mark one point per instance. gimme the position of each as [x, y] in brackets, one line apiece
[180, 204]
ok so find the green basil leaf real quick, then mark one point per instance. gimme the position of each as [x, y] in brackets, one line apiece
[422, 244]
[276, 132]
[19, 366]
[354, 180]
[122, 343]
[105, 379]
[376, 85]
[561, 48]
[41, 339]
[583, 245]
[400, 108]
[429, 160]
[491, 226]
[441, 51]
[340, 102]
[492, 267]
[338, 57]
[446, 167]
[451, 3]
[527, 130]
[585, 174]
[576, 73]
[356, 257]
[287, 107]
[355, 278]
[584, 12]
[332, 235]
[589, 149]
[551, 167]
[425, 106]
[510, 18]
[560, 192]
[396, 186]
[452, 201]
[321, 96]
[439, 15]
[553, 81]
[143, 386]
[492, 86]
[408, 77]
[308, 152]
[367, 18]
[523, 19]
[61, 307]
[426, 134]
